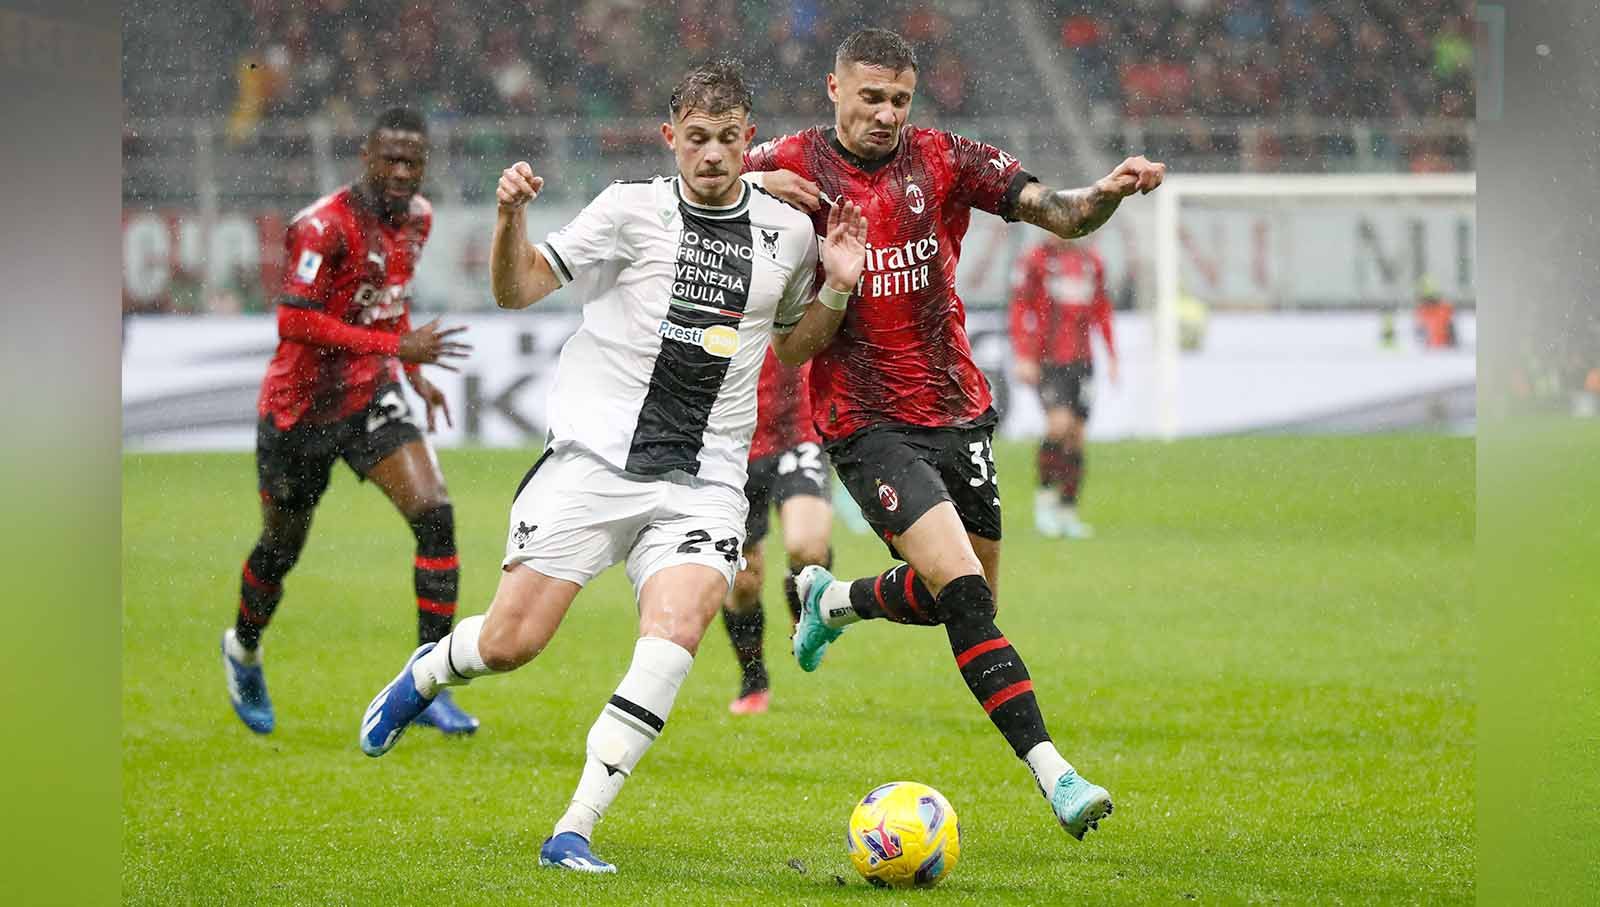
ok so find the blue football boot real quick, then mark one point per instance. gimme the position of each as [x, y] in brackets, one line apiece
[247, 690]
[1079, 805]
[811, 635]
[393, 709]
[448, 717]
[569, 850]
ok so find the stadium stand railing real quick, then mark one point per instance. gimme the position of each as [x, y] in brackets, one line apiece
[185, 161]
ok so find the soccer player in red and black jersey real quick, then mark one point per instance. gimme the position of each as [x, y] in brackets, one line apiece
[905, 411]
[332, 392]
[789, 471]
[1058, 298]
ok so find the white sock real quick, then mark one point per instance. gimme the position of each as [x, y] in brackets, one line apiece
[454, 661]
[1047, 766]
[238, 652]
[627, 726]
[835, 605]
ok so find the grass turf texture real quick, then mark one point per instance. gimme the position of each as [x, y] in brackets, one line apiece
[1538, 533]
[1266, 656]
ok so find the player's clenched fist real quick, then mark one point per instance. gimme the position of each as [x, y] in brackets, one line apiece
[518, 186]
[1135, 174]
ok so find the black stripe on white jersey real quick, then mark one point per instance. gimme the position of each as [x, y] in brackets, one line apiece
[710, 288]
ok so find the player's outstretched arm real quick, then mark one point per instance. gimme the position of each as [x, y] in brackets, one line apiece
[1070, 213]
[792, 188]
[518, 274]
[843, 254]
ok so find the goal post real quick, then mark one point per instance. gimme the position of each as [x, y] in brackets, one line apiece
[1251, 190]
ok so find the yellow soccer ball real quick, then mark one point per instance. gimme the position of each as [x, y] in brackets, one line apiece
[904, 835]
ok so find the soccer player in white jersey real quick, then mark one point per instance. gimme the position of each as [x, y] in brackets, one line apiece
[684, 281]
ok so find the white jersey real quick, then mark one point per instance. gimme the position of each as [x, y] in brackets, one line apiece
[679, 302]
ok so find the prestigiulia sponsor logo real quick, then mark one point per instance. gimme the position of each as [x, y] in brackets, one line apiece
[718, 340]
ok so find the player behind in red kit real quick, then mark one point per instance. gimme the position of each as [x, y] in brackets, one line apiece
[789, 471]
[332, 392]
[1057, 298]
[905, 411]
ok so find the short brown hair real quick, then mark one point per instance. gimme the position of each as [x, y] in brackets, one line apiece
[877, 47]
[714, 87]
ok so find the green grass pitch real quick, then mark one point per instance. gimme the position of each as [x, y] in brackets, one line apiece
[1266, 656]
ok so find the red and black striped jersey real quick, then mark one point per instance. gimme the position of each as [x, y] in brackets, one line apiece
[1058, 295]
[902, 355]
[346, 261]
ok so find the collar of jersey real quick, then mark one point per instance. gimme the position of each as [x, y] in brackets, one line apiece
[723, 213]
[857, 161]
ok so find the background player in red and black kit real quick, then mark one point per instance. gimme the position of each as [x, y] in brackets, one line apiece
[332, 392]
[903, 407]
[789, 471]
[1059, 295]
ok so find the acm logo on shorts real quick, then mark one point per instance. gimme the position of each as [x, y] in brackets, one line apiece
[888, 498]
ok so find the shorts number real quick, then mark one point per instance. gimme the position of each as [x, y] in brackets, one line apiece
[983, 458]
[728, 547]
[693, 541]
[391, 407]
[807, 456]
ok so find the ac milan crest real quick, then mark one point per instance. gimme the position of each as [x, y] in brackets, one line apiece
[888, 497]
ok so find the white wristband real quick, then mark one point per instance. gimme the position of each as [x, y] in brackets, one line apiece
[833, 299]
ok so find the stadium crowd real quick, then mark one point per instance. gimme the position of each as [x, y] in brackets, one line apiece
[1271, 59]
[1235, 84]
[345, 58]
[1345, 59]
[1217, 58]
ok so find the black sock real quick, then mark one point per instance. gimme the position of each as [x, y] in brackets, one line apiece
[993, 670]
[1071, 476]
[436, 576]
[1052, 467]
[791, 595]
[260, 590]
[746, 631]
[898, 595]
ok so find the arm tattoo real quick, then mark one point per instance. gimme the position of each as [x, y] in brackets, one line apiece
[1068, 213]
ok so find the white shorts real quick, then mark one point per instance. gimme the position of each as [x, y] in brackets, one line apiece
[578, 515]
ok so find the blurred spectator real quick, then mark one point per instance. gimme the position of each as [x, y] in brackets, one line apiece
[946, 82]
[1435, 318]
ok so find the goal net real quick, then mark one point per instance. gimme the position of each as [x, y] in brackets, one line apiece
[1310, 303]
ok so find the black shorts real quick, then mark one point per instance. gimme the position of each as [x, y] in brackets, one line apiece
[897, 473]
[293, 467]
[800, 471]
[1069, 384]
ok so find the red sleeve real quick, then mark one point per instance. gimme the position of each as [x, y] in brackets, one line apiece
[983, 176]
[1102, 306]
[314, 328]
[781, 153]
[1027, 338]
[313, 245]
